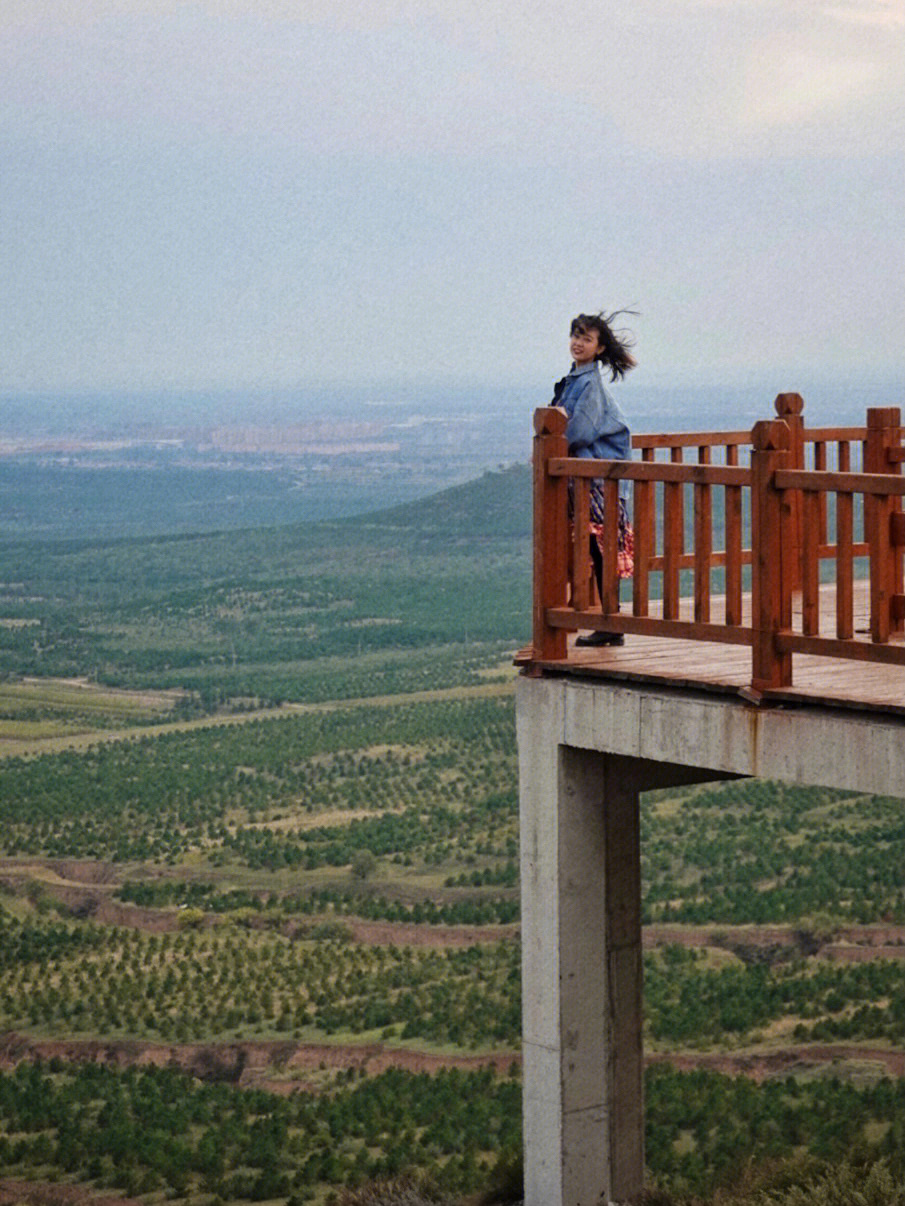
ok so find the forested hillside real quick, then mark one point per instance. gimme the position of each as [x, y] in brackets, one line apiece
[427, 595]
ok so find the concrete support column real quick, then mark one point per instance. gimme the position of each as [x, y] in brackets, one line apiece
[623, 782]
[581, 936]
[581, 960]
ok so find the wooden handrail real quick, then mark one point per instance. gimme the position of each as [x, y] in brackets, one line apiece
[798, 518]
[829, 435]
[689, 439]
[823, 481]
[648, 471]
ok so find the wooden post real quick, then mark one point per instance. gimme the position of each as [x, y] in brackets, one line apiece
[883, 435]
[644, 521]
[790, 408]
[551, 528]
[771, 602]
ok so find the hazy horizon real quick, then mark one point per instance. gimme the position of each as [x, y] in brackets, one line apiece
[687, 405]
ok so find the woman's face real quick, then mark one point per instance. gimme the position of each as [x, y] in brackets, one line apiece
[584, 346]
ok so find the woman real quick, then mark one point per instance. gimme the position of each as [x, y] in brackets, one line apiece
[597, 429]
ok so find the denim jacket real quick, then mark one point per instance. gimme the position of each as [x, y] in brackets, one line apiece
[597, 428]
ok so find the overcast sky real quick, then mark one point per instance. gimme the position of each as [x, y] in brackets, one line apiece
[273, 192]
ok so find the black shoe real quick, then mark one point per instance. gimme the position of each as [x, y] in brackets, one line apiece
[601, 638]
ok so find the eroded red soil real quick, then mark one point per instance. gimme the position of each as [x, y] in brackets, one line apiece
[86, 886]
[846, 944]
[247, 1064]
[389, 933]
[47, 1193]
[783, 1061]
[279, 1067]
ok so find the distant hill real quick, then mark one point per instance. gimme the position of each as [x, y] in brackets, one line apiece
[246, 613]
[62, 499]
[495, 504]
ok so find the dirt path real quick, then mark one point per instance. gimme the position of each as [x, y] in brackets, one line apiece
[87, 888]
[393, 933]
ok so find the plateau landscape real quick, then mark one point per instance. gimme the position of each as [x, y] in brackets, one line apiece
[284, 285]
[259, 870]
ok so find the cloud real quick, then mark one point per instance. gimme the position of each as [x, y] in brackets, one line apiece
[242, 81]
[884, 14]
[801, 85]
[833, 89]
[694, 79]
[214, 185]
[724, 79]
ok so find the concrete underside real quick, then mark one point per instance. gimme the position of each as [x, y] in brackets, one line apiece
[587, 750]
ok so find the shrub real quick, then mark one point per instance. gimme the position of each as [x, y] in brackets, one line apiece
[843, 1185]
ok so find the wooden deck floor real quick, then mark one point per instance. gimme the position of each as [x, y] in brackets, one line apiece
[726, 669]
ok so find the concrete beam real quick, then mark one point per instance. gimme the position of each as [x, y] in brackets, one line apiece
[825, 747]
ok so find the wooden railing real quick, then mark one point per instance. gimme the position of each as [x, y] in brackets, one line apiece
[795, 508]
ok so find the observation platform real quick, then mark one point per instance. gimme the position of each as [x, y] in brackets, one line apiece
[726, 669]
[763, 637]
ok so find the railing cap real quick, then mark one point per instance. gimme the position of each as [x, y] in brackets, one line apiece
[550, 420]
[788, 404]
[884, 416]
[770, 435]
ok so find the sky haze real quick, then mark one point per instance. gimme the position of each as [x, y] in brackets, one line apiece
[230, 194]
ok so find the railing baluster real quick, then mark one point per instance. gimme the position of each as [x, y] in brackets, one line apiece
[880, 565]
[609, 603]
[811, 501]
[643, 522]
[898, 563]
[581, 564]
[733, 523]
[673, 540]
[703, 543]
[820, 463]
[845, 565]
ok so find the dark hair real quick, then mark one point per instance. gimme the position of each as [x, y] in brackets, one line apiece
[614, 345]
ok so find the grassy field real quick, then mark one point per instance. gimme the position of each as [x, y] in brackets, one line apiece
[38, 710]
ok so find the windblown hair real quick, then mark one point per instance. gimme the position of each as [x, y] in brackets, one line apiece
[614, 345]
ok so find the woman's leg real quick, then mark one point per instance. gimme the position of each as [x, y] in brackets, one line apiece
[597, 637]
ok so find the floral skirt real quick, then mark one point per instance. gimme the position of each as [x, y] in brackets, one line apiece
[625, 541]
